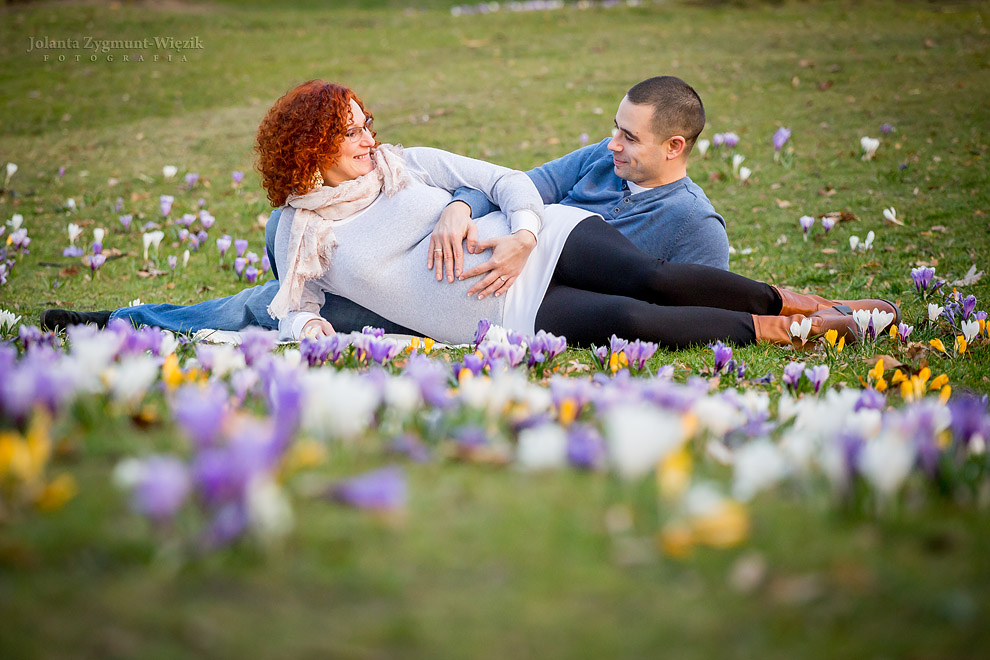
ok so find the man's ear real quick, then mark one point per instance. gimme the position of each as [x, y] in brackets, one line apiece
[676, 146]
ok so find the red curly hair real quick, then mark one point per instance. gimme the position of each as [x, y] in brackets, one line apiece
[302, 131]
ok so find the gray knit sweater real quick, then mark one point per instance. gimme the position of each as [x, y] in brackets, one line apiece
[380, 259]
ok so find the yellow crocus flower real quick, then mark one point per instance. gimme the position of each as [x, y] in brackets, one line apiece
[938, 345]
[840, 345]
[54, 496]
[568, 411]
[724, 528]
[944, 395]
[413, 345]
[171, 374]
[427, 345]
[893, 331]
[898, 377]
[831, 336]
[937, 383]
[674, 473]
[960, 344]
[676, 540]
[876, 373]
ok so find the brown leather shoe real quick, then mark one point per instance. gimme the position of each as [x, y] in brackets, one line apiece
[777, 329]
[793, 302]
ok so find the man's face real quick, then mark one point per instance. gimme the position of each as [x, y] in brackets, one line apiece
[637, 154]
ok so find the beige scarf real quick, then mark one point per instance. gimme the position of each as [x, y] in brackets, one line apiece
[312, 240]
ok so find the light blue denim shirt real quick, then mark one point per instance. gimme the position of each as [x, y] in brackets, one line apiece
[675, 222]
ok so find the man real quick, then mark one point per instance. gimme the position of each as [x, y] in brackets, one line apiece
[637, 180]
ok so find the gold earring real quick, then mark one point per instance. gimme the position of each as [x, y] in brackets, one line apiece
[317, 180]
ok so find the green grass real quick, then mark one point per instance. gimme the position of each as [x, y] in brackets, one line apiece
[493, 563]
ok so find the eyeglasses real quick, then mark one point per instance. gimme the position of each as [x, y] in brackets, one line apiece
[353, 134]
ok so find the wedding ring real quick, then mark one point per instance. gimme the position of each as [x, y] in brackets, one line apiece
[502, 277]
[438, 250]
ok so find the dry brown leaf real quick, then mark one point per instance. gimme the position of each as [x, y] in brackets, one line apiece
[783, 203]
[829, 251]
[888, 362]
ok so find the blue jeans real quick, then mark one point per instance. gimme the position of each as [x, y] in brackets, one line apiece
[249, 307]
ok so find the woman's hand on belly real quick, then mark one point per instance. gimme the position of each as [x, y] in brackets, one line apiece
[509, 255]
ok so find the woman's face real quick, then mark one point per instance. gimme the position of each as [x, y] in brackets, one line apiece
[355, 151]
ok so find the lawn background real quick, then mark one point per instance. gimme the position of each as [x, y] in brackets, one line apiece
[491, 563]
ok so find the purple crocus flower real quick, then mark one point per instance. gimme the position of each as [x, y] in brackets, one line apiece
[483, 326]
[96, 262]
[431, 377]
[251, 274]
[411, 447]
[194, 242]
[379, 490]
[473, 363]
[173, 261]
[256, 344]
[827, 224]
[206, 219]
[266, 263]
[886, 128]
[125, 220]
[638, 352]
[601, 355]
[730, 140]
[118, 205]
[183, 235]
[583, 139]
[166, 204]
[373, 331]
[718, 139]
[201, 235]
[922, 278]
[200, 203]
[161, 488]
[237, 176]
[904, 331]
[191, 180]
[870, 399]
[722, 353]
[251, 257]
[544, 347]
[72, 251]
[807, 222]
[223, 244]
[969, 418]
[200, 412]
[19, 240]
[239, 264]
[817, 375]
[61, 171]
[585, 447]
[968, 305]
[240, 245]
[792, 374]
[616, 345]
[186, 220]
[780, 138]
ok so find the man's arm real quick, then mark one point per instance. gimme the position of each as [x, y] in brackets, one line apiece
[702, 241]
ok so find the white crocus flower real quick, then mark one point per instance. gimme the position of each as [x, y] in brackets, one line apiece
[886, 461]
[11, 171]
[268, 509]
[853, 243]
[74, 232]
[758, 465]
[169, 171]
[8, 320]
[70, 204]
[152, 239]
[15, 222]
[737, 160]
[702, 147]
[134, 303]
[542, 448]
[129, 380]
[862, 319]
[970, 329]
[402, 395]
[98, 235]
[185, 258]
[870, 146]
[890, 215]
[744, 174]
[881, 319]
[338, 405]
[934, 311]
[868, 243]
[801, 329]
[640, 435]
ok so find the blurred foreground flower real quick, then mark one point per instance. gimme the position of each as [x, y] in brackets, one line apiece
[382, 490]
[869, 146]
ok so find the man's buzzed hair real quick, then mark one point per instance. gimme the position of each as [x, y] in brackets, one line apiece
[677, 108]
